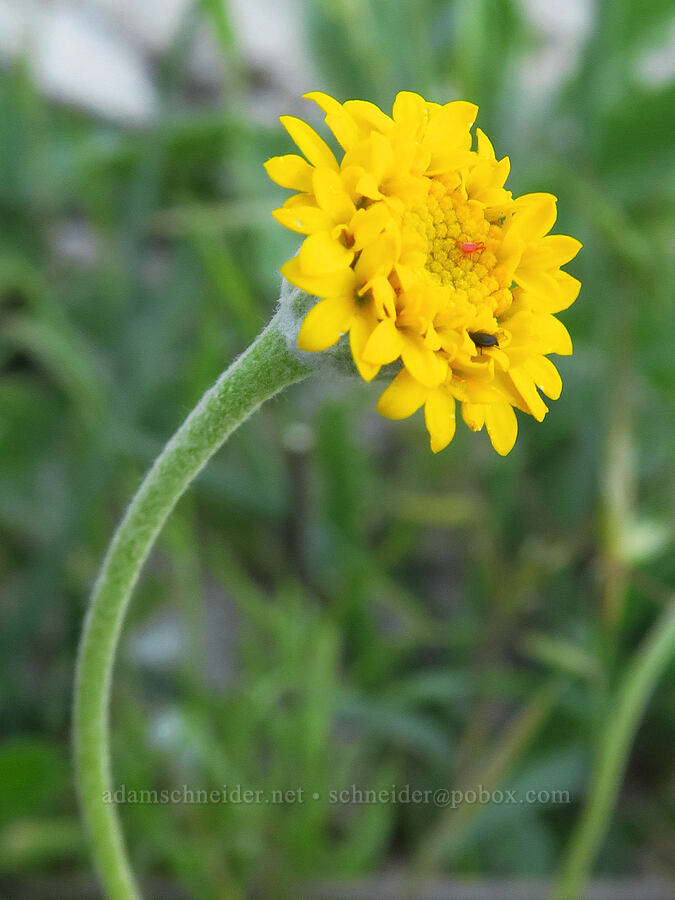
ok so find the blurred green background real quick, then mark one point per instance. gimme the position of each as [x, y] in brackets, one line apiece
[332, 605]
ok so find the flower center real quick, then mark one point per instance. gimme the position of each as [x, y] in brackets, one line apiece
[459, 244]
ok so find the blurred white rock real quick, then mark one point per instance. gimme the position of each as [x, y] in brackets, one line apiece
[77, 58]
[12, 28]
[151, 23]
[271, 40]
[563, 30]
[74, 242]
[656, 64]
[560, 20]
[98, 55]
[159, 643]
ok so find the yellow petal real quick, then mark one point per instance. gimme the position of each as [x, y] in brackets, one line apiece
[384, 297]
[506, 391]
[384, 344]
[324, 324]
[324, 284]
[368, 116]
[422, 363]
[501, 171]
[476, 391]
[331, 195]
[377, 258]
[302, 199]
[485, 148]
[535, 215]
[520, 324]
[382, 155]
[367, 186]
[537, 282]
[552, 251]
[338, 120]
[439, 417]
[363, 325]
[553, 335]
[474, 415]
[486, 181]
[290, 171]
[344, 128]
[527, 390]
[320, 254]
[545, 375]
[315, 148]
[502, 426]
[368, 223]
[410, 110]
[568, 291]
[407, 276]
[500, 358]
[303, 219]
[403, 397]
[450, 126]
[324, 101]
[445, 159]
[491, 197]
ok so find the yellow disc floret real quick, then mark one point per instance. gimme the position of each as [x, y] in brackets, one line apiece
[415, 249]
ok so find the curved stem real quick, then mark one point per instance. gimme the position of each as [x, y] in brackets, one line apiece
[647, 666]
[259, 373]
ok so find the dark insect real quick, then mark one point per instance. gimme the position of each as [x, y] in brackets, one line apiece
[483, 339]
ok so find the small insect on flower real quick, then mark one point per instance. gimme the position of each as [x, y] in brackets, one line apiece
[483, 339]
[470, 247]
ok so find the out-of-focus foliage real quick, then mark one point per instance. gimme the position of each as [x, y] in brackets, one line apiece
[332, 605]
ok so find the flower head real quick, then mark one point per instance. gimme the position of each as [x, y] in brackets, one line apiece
[415, 249]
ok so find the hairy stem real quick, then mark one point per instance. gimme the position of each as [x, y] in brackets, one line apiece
[258, 374]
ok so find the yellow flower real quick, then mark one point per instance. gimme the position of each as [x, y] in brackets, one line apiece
[415, 249]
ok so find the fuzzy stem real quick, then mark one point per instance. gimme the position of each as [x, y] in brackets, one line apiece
[258, 374]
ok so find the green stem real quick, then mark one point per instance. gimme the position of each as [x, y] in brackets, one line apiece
[258, 374]
[623, 718]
